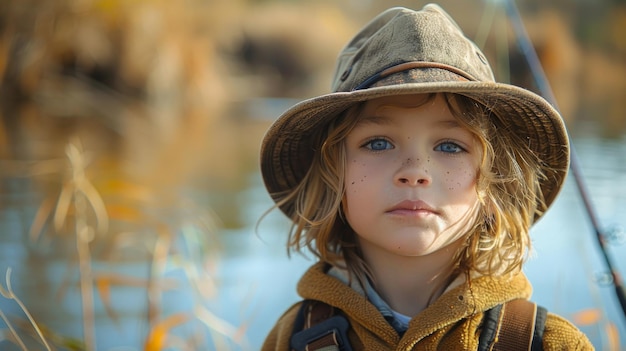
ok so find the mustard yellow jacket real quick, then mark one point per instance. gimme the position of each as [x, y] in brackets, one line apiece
[452, 322]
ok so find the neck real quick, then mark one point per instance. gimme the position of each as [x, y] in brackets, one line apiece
[410, 284]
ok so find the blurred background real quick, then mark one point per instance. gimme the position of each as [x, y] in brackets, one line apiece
[129, 180]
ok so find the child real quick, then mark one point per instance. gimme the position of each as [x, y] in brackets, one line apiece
[415, 183]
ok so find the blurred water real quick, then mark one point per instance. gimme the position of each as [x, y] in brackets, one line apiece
[256, 280]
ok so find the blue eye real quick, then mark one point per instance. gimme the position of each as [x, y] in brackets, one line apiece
[449, 147]
[378, 145]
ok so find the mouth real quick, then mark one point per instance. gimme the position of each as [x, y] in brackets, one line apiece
[412, 208]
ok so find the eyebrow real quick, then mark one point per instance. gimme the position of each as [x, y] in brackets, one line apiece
[452, 123]
[374, 119]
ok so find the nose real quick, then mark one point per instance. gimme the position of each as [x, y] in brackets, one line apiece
[412, 172]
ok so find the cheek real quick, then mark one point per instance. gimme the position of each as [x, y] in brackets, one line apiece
[358, 186]
[460, 178]
[356, 176]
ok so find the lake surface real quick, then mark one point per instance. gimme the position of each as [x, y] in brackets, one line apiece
[255, 280]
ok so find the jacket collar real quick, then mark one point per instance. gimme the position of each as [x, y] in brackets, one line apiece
[458, 302]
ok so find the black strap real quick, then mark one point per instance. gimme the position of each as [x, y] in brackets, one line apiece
[318, 324]
[508, 327]
[491, 320]
[540, 325]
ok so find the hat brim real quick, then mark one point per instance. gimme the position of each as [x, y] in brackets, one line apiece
[287, 150]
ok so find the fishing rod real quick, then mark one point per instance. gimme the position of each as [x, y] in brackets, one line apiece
[542, 82]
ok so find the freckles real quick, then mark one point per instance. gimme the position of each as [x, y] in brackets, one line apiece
[456, 179]
[358, 179]
[353, 187]
[356, 175]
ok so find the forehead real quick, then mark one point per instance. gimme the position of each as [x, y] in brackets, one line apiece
[379, 110]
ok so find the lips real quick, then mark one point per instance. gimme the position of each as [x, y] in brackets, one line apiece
[410, 207]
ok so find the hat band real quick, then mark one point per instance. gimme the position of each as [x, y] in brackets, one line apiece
[411, 65]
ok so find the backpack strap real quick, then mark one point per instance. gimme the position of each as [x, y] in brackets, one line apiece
[516, 325]
[320, 327]
[540, 325]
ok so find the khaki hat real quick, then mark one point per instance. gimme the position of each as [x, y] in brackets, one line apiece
[402, 51]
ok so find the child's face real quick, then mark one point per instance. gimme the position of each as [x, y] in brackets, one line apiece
[410, 177]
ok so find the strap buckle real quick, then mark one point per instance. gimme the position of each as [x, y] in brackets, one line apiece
[333, 331]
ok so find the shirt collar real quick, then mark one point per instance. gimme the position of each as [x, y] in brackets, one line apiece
[397, 320]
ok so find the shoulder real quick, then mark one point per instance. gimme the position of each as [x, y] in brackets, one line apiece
[278, 338]
[560, 334]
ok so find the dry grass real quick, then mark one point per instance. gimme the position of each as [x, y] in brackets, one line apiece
[106, 106]
[116, 223]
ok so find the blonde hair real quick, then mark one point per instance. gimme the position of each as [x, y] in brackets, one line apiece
[507, 186]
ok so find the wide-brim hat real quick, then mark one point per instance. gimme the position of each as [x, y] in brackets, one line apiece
[402, 51]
